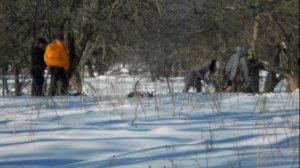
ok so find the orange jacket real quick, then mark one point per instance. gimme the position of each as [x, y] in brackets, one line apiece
[57, 55]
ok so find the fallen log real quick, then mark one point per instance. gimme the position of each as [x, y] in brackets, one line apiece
[283, 72]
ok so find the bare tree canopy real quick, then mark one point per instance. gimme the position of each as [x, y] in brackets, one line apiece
[166, 36]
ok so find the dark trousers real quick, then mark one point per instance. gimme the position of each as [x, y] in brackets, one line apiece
[197, 84]
[37, 81]
[59, 82]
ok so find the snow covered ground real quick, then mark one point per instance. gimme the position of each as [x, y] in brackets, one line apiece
[107, 129]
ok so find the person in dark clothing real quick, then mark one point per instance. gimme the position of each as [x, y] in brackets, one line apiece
[57, 59]
[200, 73]
[38, 67]
[59, 82]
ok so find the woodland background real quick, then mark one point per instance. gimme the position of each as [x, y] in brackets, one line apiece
[163, 37]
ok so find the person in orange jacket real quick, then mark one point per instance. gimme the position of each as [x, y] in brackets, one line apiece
[57, 59]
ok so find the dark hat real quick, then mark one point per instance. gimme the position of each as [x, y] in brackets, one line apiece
[212, 66]
[59, 36]
[42, 40]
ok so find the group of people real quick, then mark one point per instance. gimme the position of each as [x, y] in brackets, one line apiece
[54, 56]
[235, 73]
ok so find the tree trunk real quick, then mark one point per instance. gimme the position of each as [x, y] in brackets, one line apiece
[270, 82]
[78, 56]
[76, 81]
[90, 68]
[18, 85]
[254, 73]
[4, 81]
[73, 74]
[74, 59]
[255, 27]
[104, 52]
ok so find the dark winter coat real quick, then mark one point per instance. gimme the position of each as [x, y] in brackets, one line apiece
[37, 58]
[37, 71]
[237, 64]
[58, 74]
[37, 65]
[201, 72]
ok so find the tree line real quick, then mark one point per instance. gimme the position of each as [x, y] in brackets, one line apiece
[164, 37]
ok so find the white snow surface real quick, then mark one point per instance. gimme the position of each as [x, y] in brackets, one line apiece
[184, 130]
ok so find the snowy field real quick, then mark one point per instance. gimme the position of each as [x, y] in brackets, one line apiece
[174, 130]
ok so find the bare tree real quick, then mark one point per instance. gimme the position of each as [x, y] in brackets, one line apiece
[164, 37]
